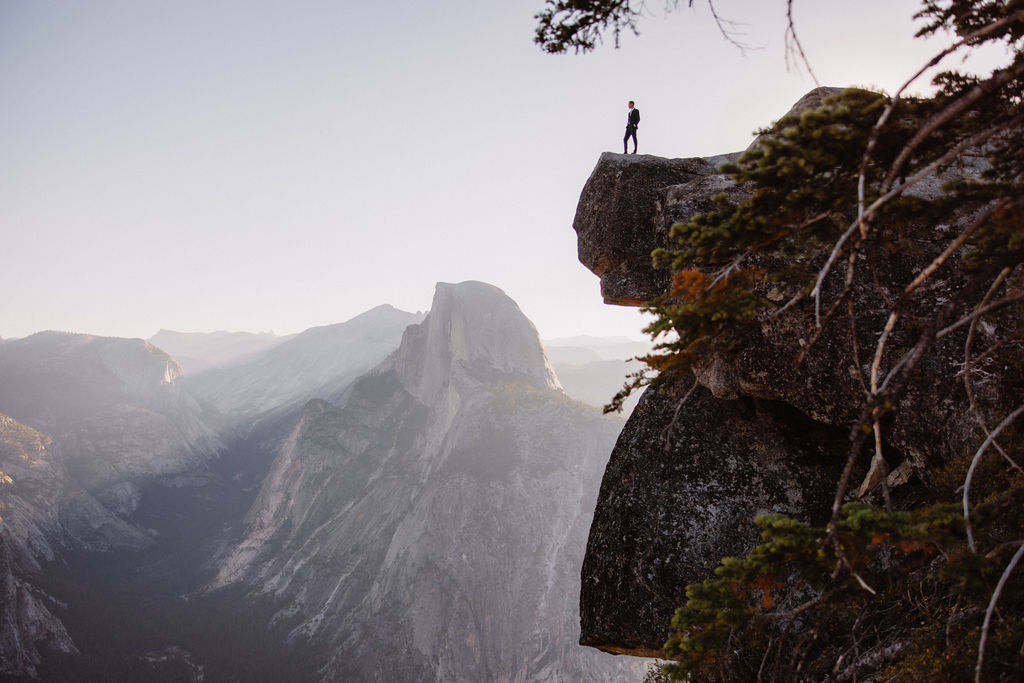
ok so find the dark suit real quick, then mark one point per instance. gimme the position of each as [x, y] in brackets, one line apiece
[632, 123]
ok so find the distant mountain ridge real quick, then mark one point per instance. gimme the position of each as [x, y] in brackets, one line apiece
[317, 363]
[198, 352]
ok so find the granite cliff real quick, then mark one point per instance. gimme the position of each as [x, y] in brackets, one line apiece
[760, 432]
[429, 525]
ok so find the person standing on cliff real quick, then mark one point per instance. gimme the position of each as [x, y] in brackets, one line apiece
[632, 123]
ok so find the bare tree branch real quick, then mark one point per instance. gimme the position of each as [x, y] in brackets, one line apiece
[974, 464]
[991, 608]
[862, 220]
[793, 43]
[955, 244]
[978, 313]
[968, 384]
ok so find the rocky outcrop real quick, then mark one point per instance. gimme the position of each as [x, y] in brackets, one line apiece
[763, 433]
[430, 526]
[629, 203]
[627, 208]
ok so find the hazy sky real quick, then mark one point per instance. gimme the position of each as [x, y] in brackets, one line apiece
[275, 165]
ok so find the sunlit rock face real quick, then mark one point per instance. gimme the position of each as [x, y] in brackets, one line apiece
[430, 526]
[762, 432]
[31, 481]
[313, 364]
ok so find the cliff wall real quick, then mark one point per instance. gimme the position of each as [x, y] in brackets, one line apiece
[760, 432]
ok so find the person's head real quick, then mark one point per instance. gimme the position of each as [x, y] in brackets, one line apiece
[631, 103]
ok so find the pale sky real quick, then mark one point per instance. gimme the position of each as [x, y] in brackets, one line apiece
[276, 165]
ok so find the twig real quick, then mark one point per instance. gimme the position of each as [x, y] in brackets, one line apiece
[823, 323]
[955, 244]
[978, 313]
[856, 348]
[667, 434]
[880, 349]
[725, 272]
[869, 212]
[974, 464]
[991, 608]
[764, 659]
[968, 384]
[728, 33]
[995, 347]
[792, 40]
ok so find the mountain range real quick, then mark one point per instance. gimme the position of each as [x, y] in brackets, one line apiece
[397, 497]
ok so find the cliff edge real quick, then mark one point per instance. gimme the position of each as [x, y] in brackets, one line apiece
[759, 431]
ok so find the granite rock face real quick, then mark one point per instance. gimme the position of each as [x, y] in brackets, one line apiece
[118, 414]
[628, 206]
[680, 493]
[430, 525]
[621, 214]
[763, 432]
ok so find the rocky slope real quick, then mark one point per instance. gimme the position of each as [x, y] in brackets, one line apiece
[31, 481]
[118, 414]
[314, 364]
[760, 433]
[430, 525]
[87, 422]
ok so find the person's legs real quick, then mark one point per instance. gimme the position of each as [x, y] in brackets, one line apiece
[625, 139]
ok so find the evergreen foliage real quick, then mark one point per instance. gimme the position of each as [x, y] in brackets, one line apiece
[579, 24]
[903, 594]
